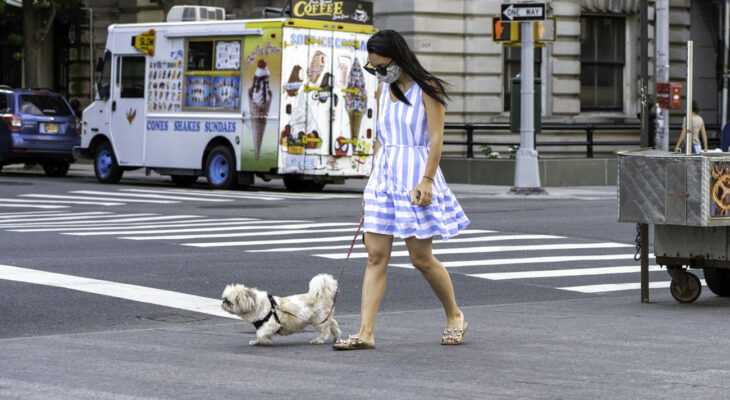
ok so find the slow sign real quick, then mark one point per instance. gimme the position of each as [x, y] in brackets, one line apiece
[145, 42]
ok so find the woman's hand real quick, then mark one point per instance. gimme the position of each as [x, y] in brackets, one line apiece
[426, 189]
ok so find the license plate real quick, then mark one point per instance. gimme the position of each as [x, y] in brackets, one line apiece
[51, 128]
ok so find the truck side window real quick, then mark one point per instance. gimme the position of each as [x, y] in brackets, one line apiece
[105, 77]
[200, 56]
[132, 77]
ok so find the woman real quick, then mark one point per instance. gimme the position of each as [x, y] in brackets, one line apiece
[697, 125]
[411, 107]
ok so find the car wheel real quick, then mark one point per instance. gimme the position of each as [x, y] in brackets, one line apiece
[56, 169]
[220, 169]
[184, 180]
[105, 164]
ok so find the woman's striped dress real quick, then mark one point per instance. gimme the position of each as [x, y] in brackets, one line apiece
[398, 167]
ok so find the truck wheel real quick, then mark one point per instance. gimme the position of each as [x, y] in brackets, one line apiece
[184, 180]
[105, 164]
[690, 292]
[56, 169]
[718, 280]
[220, 168]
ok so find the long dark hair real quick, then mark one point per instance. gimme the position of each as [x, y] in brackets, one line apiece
[389, 43]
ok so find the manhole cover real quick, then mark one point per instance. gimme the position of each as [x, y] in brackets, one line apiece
[174, 318]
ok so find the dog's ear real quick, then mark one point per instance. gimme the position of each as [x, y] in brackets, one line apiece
[246, 299]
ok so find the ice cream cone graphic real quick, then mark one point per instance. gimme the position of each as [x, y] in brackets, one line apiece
[259, 98]
[356, 99]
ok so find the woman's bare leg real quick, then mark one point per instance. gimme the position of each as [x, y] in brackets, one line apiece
[373, 284]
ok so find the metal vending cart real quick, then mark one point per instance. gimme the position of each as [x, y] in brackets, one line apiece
[686, 198]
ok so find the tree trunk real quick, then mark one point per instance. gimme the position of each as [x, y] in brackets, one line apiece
[30, 45]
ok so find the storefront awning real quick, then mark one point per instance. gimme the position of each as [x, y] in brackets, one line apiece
[611, 6]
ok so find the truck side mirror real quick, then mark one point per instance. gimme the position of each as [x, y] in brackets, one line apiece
[102, 90]
[99, 64]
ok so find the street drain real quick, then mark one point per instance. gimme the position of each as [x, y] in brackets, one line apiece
[174, 318]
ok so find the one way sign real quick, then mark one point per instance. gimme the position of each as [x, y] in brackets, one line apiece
[515, 12]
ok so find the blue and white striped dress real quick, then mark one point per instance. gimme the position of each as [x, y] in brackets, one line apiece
[398, 167]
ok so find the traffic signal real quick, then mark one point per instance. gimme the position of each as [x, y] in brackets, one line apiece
[504, 31]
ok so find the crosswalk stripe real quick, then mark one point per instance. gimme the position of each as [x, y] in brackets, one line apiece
[142, 225]
[616, 287]
[43, 206]
[242, 226]
[79, 202]
[54, 217]
[111, 220]
[20, 214]
[529, 260]
[115, 289]
[495, 238]
[245, 234]
[556, 273]
[81, 218]
[205, 194]
[124, 196]
[59, 196]
[491, 249]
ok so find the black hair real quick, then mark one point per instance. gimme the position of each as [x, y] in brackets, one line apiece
[389, 43]
[695, 107]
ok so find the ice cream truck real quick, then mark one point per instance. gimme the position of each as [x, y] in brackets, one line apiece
[233, 99]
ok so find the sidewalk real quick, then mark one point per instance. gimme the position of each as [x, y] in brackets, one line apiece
[600, 347]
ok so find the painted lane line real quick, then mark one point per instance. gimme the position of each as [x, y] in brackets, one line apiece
[529, 260]
[282, 195]
[79, 202]
[245, 234]
[616, 287]
[299, 240]
[136, 225]
[491, 249]
[555, 273]
[495, 238]
[98, 222]
[228, 197]
[32, 214]
[57, 217]
[228, 228]
[125, 291]
[15, 205]
[58, 196]
[124, 196]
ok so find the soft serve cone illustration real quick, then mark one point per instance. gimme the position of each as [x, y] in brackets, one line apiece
[259, 97]
[356, 101]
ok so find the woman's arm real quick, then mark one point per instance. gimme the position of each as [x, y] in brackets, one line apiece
[704, 136]
[377, 144]
[435, 115]
[681, 137]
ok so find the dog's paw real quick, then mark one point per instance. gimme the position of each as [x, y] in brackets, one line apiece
[317, 341]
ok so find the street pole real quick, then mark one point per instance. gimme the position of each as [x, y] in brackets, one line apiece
[662, 71]
[644, 228]
[527, 175]
[726, 39]
[688, 114]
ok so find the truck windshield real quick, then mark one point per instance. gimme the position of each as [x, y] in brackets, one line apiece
[35, 104]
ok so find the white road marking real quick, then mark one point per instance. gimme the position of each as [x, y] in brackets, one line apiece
[19, 214]
[56, 217]
[114, 289]
[491, 249]
[79, 202]
[494, 238]
[239, 227]
[615, 287]
[528, 260]
[498, 276]
[205, 194]
[144, 225]
[112, 220]
[59, 196]
[246, 234]
[124, 196]
[15, 205]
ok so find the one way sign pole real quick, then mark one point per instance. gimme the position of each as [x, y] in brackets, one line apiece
[527, 173]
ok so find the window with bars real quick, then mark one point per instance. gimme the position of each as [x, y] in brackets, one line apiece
[513, 67]
[602, 59]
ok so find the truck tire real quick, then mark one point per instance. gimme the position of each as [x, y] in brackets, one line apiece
[56, 169]
[106, 168]
[220, 168]
[718, 280]
[184, 180]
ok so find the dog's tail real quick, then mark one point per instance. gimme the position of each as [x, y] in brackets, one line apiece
[323, 286]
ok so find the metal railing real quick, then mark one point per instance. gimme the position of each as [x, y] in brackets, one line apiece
[589, 129]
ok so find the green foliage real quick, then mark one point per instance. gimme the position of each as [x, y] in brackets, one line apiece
[15, 39]
[513, 151]
[2, 7]
[487, 150]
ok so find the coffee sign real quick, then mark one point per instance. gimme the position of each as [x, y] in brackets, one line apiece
[358, 12]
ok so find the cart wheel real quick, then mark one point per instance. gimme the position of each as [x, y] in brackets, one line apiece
[718, 280]
[689, 293]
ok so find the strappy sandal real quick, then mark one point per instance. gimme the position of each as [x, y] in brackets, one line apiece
[454, 336]
[352, 343]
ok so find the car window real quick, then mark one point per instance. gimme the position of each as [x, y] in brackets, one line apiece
[4, 102]
[35, 104]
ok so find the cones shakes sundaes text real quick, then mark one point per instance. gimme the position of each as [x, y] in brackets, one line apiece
[259, 97]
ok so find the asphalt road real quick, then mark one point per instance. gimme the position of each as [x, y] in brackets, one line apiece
[111, 291]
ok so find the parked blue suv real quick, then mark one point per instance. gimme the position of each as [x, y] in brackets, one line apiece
[39, 127]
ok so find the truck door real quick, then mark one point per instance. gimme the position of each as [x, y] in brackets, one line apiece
[354, 91]
[128, 109]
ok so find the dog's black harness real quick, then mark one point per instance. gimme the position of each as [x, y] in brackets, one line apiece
[257, 324]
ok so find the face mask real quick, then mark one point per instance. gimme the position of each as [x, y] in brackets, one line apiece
[392, 74]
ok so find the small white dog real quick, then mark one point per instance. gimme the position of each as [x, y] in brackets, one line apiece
[267, 312]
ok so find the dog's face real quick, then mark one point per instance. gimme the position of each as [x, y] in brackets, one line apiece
[239, 300]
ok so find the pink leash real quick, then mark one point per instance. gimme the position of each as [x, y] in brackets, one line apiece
[342, 270]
